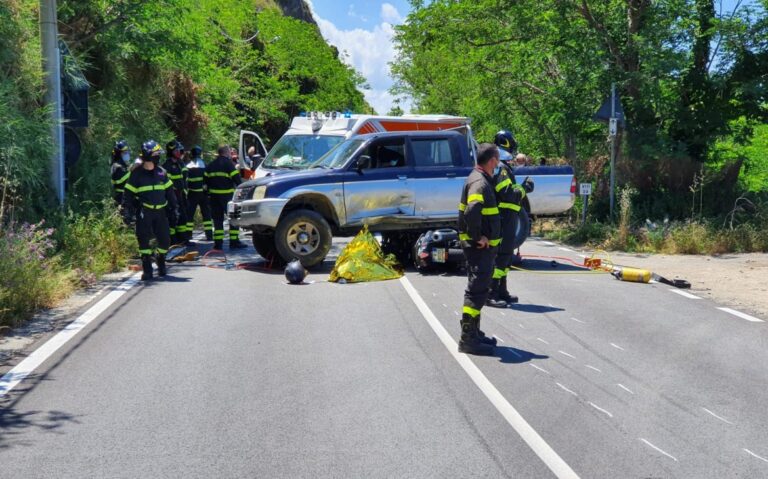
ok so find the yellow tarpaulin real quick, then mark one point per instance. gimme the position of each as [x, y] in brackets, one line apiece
[362, 260]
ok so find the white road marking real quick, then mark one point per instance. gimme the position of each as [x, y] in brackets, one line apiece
[498, 338]
[566, 354]
[566, 389]
[540, 447]
[579, 321]
[742, 315]
[660, 450]
[592, 367]
[22, 370]
[515, 353]
[715, 415]
[445, 305]
[618, 347]
[624, 388]
[752, 453]
[502, 313]
[548, 243]
[538, 367]
[539, 339]
[521, 326]
[684, 294]
[600, 409]
[565, 249]
[583, 256]
[456, 313]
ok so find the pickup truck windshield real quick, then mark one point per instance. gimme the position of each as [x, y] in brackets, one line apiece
[298, 152]
[339, 155]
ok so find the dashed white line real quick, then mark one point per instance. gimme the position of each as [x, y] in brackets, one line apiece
[742, 315]
[625, 388]
[539, 368]
[618, 347]
[566, 249]
[539, 339]
[566, 389]
[539, 446]
[445, 305]
[548, 243]
[521, 326]
[753, 454]
[456, 313]
[566, 354]
[684, 294]
[600, 409]
[660, 450]
[579, 321]
[592, 367]
[498, 338]
[515, 353]
[715, 415]
[502, 313]
[583, 256]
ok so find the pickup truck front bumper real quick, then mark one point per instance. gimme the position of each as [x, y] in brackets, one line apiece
[250, 213]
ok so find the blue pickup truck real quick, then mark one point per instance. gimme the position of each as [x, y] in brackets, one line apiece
[399, 184]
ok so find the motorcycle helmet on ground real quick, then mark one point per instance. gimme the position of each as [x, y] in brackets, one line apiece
[504, 139]
[150, 151]
[295, 272]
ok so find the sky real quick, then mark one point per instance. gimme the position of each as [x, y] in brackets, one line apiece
[363, 29]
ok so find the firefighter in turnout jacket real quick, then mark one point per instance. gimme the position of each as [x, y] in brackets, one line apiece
[479, 232]
[509, 196]
[221, 178]
[197, 196]
[149, 197]
[121, 158]
[177, 172]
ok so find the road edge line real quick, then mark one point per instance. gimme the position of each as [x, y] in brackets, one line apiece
[526, 432]
[21, 371]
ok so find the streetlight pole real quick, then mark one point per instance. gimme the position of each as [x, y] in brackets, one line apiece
[49, 35]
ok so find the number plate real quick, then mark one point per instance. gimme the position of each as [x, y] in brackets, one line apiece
[438, 255]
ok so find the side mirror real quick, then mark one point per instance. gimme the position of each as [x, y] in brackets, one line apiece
[363, 162]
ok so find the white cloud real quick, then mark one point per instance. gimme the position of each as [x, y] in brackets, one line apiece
[352, 13]
[369, 52]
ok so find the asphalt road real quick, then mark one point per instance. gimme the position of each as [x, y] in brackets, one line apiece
[234, 373]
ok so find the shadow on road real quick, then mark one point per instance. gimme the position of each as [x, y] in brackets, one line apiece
[510, 355]
[14, 423]
[534, 308]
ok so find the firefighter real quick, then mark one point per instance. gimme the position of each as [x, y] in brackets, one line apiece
[221, 178]
[197, 195]
[149, 197]
[121, 157]
[479, 233]
[177, 172]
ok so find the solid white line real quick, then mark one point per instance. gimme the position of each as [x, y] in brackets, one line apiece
[715, 415]
[618, 347]
[566, 354]
[624, 388]
[752, 453]
[539, 339]
[579, 321]
[600, 409]
[13, 377]
[592, 367]
[566, 389]
[538, 367]
[540, 447]
[742, 315]
[684, 294]
[661, 451]
[566, 249]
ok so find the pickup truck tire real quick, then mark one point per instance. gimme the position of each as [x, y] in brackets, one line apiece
[304, 235]
[264, 244]
[523, 228]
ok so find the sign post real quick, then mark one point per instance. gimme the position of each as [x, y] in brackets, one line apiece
[612, 113]
[585, 189]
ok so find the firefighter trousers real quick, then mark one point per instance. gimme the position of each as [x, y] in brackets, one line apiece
[506, 248]
[480, 264]
[197, 199]
[152, 224]
[218, 212]
[179, 230]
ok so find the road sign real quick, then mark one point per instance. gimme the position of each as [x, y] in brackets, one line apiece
[585, 189]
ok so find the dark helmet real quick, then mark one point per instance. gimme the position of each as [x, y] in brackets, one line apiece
[295, 272]
[172, 146]
[505, 139]
[197, 151]
[120, 148]
[150, 151]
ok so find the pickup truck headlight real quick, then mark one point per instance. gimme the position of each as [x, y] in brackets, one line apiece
[260, 192]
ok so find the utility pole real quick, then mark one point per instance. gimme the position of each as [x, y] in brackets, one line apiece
[612, 131]
[49, 35]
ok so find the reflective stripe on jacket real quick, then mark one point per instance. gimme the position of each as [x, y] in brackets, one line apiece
[478, 210]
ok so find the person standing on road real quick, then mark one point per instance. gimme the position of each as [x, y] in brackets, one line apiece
[121, 157]
[197, 195]
[177, 172]
[221, 178]
[479, 232]
[149, 194]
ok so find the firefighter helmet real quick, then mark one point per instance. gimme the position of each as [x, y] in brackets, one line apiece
[120, 148]
[172, 146]
[150, 151]
[295, 272]
[505, 139]
[197, 151]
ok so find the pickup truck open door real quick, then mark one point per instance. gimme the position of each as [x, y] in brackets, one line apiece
[247, 140]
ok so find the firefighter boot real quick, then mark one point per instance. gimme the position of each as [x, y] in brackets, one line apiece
[493, 297]
[161, 271]
[218, 244]
[146, 266]
[236, 244]
[504, 293]
[481, 335]
[208, 235]
[470, 343]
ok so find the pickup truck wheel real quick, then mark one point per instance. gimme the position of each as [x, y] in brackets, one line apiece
[303, 234]
[264, 244]
[523, 228]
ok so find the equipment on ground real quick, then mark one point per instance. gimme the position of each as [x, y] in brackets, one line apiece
[295, 272]
[438, 249]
